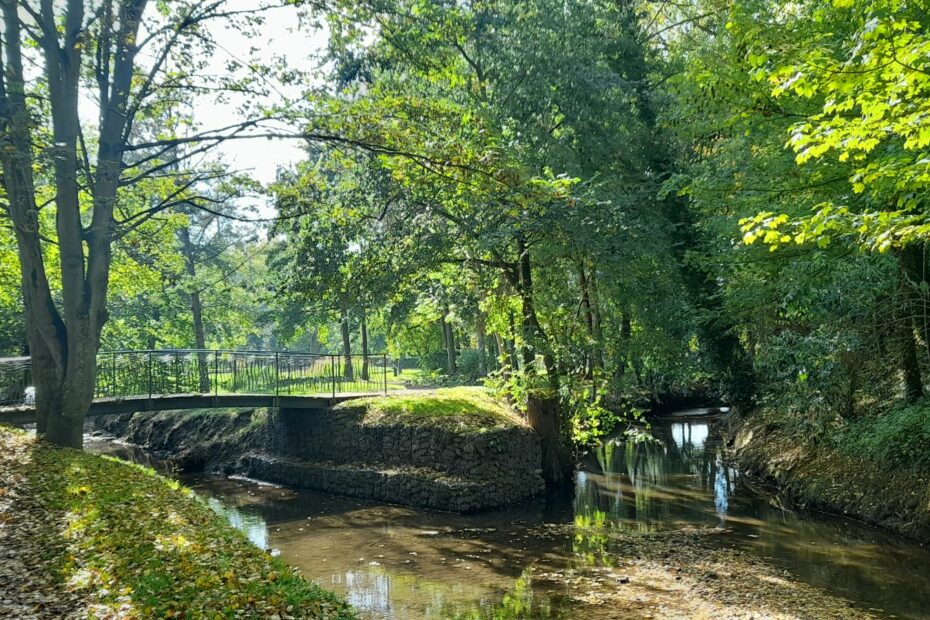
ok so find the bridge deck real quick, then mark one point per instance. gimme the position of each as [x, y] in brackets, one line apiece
[22, 414]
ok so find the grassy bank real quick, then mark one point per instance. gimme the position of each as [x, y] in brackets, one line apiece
[103, 538]
[874, 468]
[466, 409]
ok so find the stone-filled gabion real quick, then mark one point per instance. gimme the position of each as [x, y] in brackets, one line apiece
[336, 451]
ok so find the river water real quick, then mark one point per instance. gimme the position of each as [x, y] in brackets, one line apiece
[400, 563]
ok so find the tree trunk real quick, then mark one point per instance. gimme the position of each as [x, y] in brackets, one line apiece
[512, 341]
[70, 337]
[534, 338]
[588, 320]
[914, 264]
[481, 345]
[913, 381]
[596, 330]
[913, 276]
[503, 354]
[623, 350]
[449, 339]
[200, 340]
[364, 327]
[347, 371]
[543, 415]
[44, 379]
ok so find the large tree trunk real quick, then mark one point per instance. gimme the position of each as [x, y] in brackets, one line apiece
[44, 379]
[70, 338]
[543, 415]
[347, 372]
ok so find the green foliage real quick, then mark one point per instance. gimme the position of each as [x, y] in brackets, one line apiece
[467, 364]
[863, 67]
[897, 438]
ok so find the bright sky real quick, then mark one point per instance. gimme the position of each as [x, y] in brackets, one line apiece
[281, 36]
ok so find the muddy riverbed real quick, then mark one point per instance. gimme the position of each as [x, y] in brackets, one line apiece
[399, 563]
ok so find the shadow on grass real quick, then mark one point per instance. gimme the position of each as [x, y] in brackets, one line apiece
[132, 542]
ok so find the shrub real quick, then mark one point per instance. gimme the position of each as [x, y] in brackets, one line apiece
[468, 362]
[898, 438]
[434, 360]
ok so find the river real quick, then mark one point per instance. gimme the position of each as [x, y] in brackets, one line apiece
[400, 563]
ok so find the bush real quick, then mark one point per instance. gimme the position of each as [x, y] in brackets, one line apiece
[899, 438]
[434, 360]
[468, 362]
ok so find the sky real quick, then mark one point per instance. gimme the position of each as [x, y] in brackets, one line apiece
[281, 36]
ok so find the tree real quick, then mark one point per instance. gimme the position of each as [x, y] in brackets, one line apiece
[92, 51]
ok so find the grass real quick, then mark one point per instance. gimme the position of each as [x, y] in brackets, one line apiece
[467, 408]
[135, 544]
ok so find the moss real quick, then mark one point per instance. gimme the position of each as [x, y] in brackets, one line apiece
[132, 542]
[470, 408]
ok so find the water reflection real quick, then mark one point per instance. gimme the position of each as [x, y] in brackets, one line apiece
[684, 479]
[678, 477]
[252, 525]
[399, 563]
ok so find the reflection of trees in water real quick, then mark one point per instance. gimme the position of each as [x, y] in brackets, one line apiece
[651, 482]
[249, 523]
[592, 538]
[517, 603]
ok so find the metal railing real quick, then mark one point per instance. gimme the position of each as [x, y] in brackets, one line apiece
[15, 378]
[164, 372]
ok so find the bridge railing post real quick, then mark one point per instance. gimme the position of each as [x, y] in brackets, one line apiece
[384, 365]
[277, 374]
[216, 373]
[150, 375]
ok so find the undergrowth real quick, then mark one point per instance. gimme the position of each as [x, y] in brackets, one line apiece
[897, 438]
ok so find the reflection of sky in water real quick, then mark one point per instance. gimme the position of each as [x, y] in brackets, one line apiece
[689, 436]
[368, 591]
[721, 489]
[252, 525]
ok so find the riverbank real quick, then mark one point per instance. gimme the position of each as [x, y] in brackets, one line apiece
[842, 472]
[456, 449]
[601, 551]
[83, 536]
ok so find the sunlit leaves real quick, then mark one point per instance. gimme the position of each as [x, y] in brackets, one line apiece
[866, 66]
